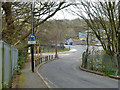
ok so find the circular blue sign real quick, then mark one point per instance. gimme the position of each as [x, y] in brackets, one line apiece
[32, 37]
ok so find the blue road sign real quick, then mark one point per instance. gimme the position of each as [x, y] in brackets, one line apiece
[32, 37]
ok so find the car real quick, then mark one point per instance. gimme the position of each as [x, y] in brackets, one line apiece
[71, 43]
[66, 43]
[83, 40]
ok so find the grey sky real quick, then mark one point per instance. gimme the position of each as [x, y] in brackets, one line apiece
[63, 14]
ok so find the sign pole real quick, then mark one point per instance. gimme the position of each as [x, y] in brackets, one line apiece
[32, 46]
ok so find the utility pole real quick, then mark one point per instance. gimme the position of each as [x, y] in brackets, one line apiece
[32, 46]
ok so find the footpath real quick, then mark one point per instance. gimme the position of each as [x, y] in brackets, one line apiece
[28, 79]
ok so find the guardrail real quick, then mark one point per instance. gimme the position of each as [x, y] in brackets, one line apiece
[44, 59]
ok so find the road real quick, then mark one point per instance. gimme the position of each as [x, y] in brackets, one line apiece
[65, 73]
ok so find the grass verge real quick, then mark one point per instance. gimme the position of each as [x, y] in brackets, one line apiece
[62, 50]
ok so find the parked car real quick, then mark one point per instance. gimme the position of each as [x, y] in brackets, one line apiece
[70, 43]
[83, 40]
[66, 43]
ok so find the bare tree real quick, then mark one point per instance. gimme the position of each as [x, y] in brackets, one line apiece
[54, 32]
[102, 16]
[16, 18]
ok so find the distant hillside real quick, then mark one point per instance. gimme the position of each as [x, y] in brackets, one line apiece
[65, 29]
[78, 25]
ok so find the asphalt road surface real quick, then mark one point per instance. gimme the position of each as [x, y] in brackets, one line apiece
[65, 73]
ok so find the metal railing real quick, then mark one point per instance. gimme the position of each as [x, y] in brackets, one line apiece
[99, 61]
[43, 59]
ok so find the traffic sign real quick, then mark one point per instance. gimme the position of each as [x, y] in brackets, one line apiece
[32, 37]
[31, 42]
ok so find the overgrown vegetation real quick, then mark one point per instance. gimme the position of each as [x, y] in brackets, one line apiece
[22, 57]
[101, 62]
[108, 72]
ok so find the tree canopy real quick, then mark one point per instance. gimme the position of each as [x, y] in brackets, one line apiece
[16, 18]
[101, 16]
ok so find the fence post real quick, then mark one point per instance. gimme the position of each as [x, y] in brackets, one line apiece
[52, 57]
[10, 77]
[1, 53]
[3, 65]
[49, 57]
[41, 60]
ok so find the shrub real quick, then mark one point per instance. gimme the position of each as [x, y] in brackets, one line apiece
[22, 56]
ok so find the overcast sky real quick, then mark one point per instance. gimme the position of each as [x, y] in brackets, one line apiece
[64, 15]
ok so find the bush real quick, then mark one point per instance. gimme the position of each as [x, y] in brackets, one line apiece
[108, 72]
[22, 56]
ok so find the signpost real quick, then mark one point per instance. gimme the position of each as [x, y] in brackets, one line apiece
[32, 42]
[32, 37]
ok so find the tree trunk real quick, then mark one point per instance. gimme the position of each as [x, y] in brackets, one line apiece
[118, 56]
[87, 43]
[7, 7]
[56, 50]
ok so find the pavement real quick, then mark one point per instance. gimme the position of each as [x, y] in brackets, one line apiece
[28, 79]
[65, 73]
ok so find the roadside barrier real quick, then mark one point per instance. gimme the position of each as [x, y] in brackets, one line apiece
[44, 59]
[98, 61]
